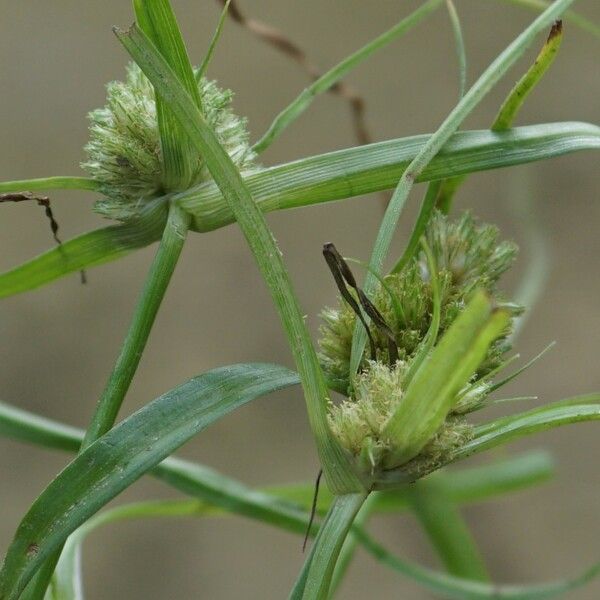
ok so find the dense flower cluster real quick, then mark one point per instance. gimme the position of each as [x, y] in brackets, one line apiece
[466, 256]
[124, 151]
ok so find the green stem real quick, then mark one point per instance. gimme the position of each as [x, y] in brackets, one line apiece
[315, 578]
[337, 463]
[128, 360]
[145, 313]
[289, 114]
[351, 541]
[489, 78]
[447, 531]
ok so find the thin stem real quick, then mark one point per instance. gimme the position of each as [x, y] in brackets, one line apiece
[447, 531]
[150, 300]
[334, 75]
[128, 360]
[315, 578]
[489, 78]
[337, 464]
[350, 543]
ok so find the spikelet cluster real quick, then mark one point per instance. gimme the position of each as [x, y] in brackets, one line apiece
[468, 256]
[124, 151]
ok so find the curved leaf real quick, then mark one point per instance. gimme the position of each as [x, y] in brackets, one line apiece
[448, 586]
[123, 455]
[465, 485]
[85, 251]
[509, 428]
[375, 167]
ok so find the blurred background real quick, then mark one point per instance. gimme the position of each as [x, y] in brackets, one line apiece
[59, 342]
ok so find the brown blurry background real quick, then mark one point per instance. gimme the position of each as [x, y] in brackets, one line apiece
[59, 342]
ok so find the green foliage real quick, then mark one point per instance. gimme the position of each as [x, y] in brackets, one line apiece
[167, 154]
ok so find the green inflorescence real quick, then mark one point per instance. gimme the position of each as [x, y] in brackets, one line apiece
[124, 152]
[468, 256]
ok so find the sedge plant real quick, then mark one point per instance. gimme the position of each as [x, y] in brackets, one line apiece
[413, 350]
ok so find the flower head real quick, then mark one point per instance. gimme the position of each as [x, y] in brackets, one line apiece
[124, 151]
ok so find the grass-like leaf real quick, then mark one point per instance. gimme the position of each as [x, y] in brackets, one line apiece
[507, 429]
[447, 531]
[432, 391]
[448, 586]
[123, 455]
[466, 485]
[459, 43]
[57, 182]
[88, 250]
[286, 117]
[376, 167]
[487, 80]
[325, 178]
[315, 578]
[336, 462]
[157, 20]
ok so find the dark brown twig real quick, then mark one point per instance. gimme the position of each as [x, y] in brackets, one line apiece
[43, 201]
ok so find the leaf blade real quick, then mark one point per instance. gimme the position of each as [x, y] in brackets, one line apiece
[121, 456]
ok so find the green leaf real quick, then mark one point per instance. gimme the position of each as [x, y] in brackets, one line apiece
[336, 462]
[286, 117]
[423, 217]
[459, 42]
[333, 176]
[511, 106]
[157, 20]
[570, 15]
[448, 586]
[376, 167]
[547, 417]
[87, 250]
[488, 79]
[315, 578]
[49, 183]
[201, 72]
[432, 392]
[472, 484]
[447, 531]
[123, 455]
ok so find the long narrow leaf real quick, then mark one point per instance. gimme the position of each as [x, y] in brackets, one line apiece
[87, 250]
[49, 183]
[375, 167]
[157, 20]
[510, 428]
[286, 117]
[488, 79]
[455, 588]
[432, 392]
[465, 485]
[336, 462]
[123, 455]
[332, 176]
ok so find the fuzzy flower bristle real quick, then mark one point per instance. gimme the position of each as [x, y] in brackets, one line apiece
[124, 151]
[468, 256]
[359, 422]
